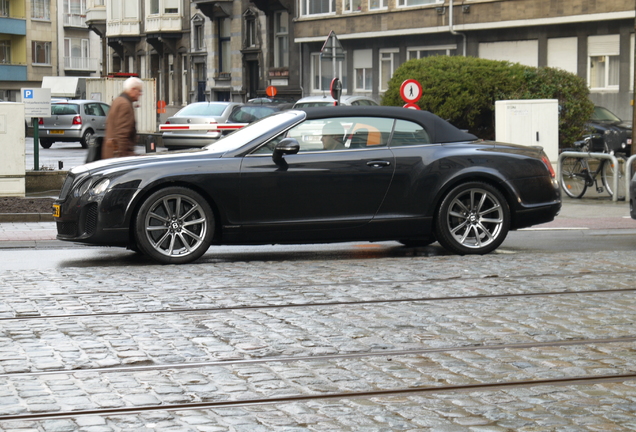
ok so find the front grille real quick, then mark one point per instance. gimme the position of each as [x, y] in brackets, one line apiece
[90, 220]
[66, 187]
[67, 229]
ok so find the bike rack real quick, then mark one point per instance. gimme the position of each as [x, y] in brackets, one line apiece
[589, 155]
[628, 175]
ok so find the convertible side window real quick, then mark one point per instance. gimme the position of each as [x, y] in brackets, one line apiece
[408, 134]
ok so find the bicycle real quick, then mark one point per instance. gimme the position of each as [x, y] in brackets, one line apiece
[577, 176]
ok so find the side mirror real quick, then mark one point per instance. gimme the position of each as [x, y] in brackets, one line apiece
[285, 146]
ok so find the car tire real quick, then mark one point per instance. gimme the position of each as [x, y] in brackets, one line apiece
[86, 138]
[174, 225]
[45, 143]
[473, 218]
[417, 243]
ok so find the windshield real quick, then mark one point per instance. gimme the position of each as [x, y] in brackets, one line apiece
[203, 109]
[64, 109]
[255, 130]
[603, 114]
[312, 104]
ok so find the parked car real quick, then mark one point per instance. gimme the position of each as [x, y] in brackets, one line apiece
[319, 101]
[197, 113]
[73, 120]
[251, 112]
[398, 174]
[609, 132]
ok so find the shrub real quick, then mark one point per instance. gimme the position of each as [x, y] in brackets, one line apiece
[463, 90]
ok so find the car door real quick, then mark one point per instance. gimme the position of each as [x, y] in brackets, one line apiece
[316, 194]
[94, 115]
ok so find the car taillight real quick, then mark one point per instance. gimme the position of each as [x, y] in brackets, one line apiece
[77, 120]
[167, 122]
[41, 121]
[547, 163]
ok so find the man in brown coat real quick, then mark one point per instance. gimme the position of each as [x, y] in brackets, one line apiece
[121, 132]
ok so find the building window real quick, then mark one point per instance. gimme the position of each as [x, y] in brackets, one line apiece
[322, 72]
[154, 7]
[74, 12]
[417, 2]
[41, 9]
[352, 5]
[250, 29]
[5, 52]
[77, 54]
[603, 62]
[316, 7]
[41, 52]
[423, 52]
[363, 69]
[389, 59]
[225, 53]
[199, 34]
[4, 8]
[378, 4]
[281, 39]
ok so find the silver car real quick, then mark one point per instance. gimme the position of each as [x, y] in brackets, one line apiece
[73, 120]
[319, 101]
[197, 113]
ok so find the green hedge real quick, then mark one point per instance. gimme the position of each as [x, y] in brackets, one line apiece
[463, 90]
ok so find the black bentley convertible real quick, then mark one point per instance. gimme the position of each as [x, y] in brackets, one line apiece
[315, 175]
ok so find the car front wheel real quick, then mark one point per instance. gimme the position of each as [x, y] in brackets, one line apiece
[174, 225]
[473, 218]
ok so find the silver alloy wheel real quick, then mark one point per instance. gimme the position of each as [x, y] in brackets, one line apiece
[475, 218]
[176, 225]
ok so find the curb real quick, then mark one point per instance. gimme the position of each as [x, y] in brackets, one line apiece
[26, 217]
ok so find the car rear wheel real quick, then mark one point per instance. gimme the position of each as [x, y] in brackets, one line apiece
[88, 135]
[44, 143]
[174, 225]
[473, 218]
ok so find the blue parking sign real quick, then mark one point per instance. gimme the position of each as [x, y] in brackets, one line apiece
[28, 94]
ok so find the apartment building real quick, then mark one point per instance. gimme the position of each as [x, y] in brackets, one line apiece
[28, 44]
[79, 52]
[592, 39]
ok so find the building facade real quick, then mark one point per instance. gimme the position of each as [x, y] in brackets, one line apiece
[592, 39]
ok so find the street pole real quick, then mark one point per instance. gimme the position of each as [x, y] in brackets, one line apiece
[36, 140]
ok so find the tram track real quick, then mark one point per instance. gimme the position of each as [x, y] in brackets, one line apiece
[383, 282]
[571, 381]
[320, 304]
[290, 359]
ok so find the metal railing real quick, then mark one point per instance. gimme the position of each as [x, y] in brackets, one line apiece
[589, 155]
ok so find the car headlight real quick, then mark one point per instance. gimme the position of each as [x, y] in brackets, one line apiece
[83, 188]
[100, 187]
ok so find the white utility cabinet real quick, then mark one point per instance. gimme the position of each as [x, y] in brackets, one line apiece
[12, 168]
[529, 122]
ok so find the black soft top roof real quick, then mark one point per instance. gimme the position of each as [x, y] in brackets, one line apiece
[439, 130]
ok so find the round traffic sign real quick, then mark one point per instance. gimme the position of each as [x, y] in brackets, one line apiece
[271, 91]
[410, 90]
[336, 89]
[411, 106]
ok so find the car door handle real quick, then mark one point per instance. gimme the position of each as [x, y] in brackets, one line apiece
[378, 164]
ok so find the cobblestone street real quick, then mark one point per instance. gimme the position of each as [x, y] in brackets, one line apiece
[502, 342]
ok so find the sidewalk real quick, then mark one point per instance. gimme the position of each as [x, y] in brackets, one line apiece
[588, 213]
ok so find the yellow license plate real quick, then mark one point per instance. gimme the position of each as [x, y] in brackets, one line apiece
[57, 132]
[56, 210]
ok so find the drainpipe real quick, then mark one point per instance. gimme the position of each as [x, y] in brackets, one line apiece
[450, 25]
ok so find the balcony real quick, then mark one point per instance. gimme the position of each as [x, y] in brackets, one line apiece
[163, 23]
[13, 72]
[123, 28]
[13, 26]
[75, 20]
[96, 15]
[86, 64]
